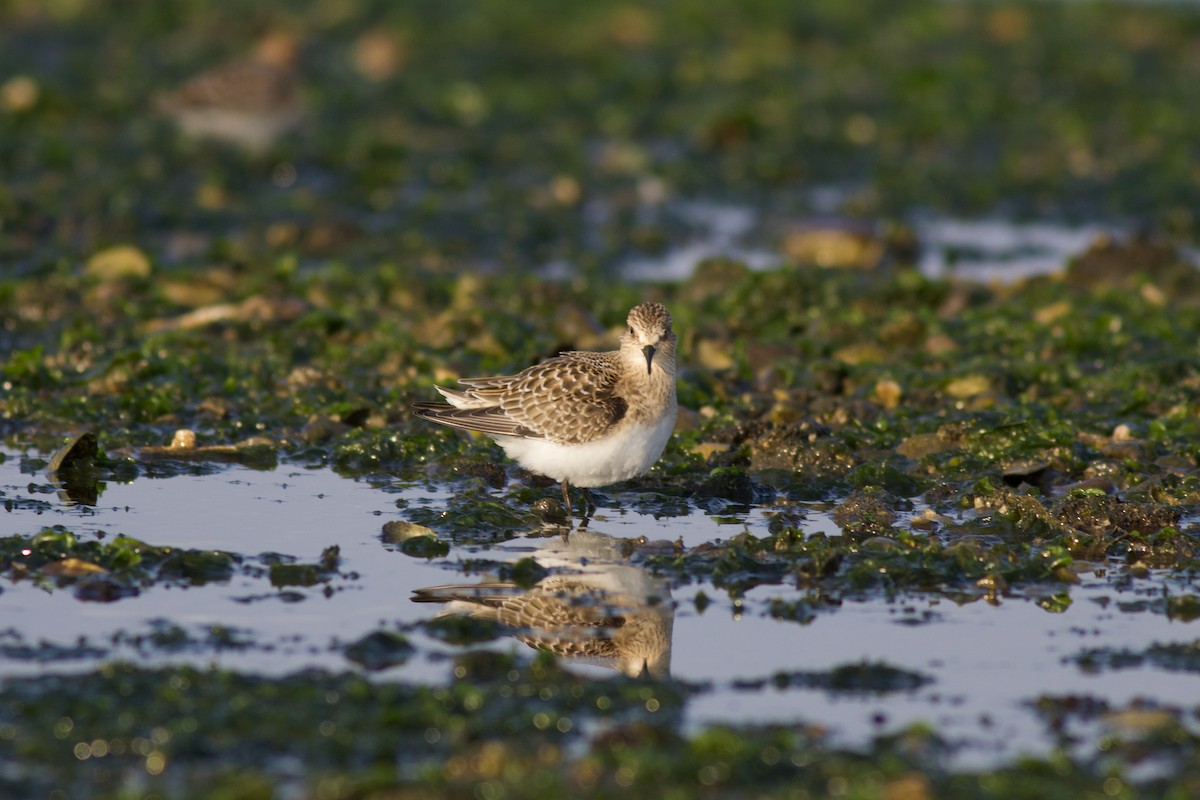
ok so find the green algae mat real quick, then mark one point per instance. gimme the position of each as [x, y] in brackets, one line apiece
[914, 536]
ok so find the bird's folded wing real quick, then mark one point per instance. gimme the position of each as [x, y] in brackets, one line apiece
[569, 399]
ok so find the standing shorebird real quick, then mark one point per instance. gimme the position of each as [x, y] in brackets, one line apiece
[248, 102]
[587, 419]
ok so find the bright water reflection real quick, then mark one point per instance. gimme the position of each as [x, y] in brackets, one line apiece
[985, 250]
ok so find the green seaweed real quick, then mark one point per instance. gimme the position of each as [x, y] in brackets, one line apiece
[1051, 426]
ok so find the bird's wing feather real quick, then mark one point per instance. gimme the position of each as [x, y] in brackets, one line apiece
[490, 420]
[568, 399]
[557, 602]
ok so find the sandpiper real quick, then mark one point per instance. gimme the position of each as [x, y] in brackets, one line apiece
[595, 606]
[587, 419]
[248, 102]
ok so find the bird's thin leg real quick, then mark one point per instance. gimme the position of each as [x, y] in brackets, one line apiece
[589, 505]
[566, 489]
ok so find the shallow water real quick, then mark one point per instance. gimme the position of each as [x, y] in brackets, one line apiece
[984, 250]
[1001, 251]
[293, 511]
[984, 663]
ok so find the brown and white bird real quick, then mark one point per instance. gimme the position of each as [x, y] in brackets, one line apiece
[583, 419]
[597, 608]
[248, 102]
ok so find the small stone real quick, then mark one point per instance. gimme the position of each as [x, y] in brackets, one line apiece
[550, 510]
[321, 429]
[379, 650]
[888, 393]
[834, 243]
[115, 263]
[857, 354]
[102, 589]
[924, 444]
[184, 439]
[1023, 468]
[707, 449]
[19, 93]
[399, 530]
[1153, 295]
[305, 376]
[1100, 484]
[924, 525]
[1047, 315]
[1122, 433]
[968, 386]
[939, 344]
[378, 54]
[80, 452]
[72, 567]
[714, 355]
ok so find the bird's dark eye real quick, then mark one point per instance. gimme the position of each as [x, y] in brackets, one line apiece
[631, 330]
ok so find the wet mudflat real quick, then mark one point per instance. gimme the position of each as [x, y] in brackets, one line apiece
[927, 526]
[996, 674]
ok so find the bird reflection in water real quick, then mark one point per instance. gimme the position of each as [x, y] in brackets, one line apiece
[596, 607]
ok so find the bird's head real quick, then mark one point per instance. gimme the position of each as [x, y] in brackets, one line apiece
[649, 330]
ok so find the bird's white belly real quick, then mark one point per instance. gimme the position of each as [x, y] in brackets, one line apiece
[628, 452]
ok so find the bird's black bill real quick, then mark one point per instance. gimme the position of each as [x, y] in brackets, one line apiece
[649, 351]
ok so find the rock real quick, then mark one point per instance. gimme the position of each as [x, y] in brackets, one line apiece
[925, 444]
[866, 513]
[713, 355]
[74, 468]
[320, 429]
[857, 354]
[380, 650]
[378, 54]
[968, 386]
[550, 511]
[72, 568]
[888, 393]
[81, 451]
[19, 93]
[836, 243]
[257, 451]
[115, 263]
[707, 449]
[399, 530]
[184, 438]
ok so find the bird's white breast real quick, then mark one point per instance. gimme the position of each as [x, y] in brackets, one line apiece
[630, 450]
